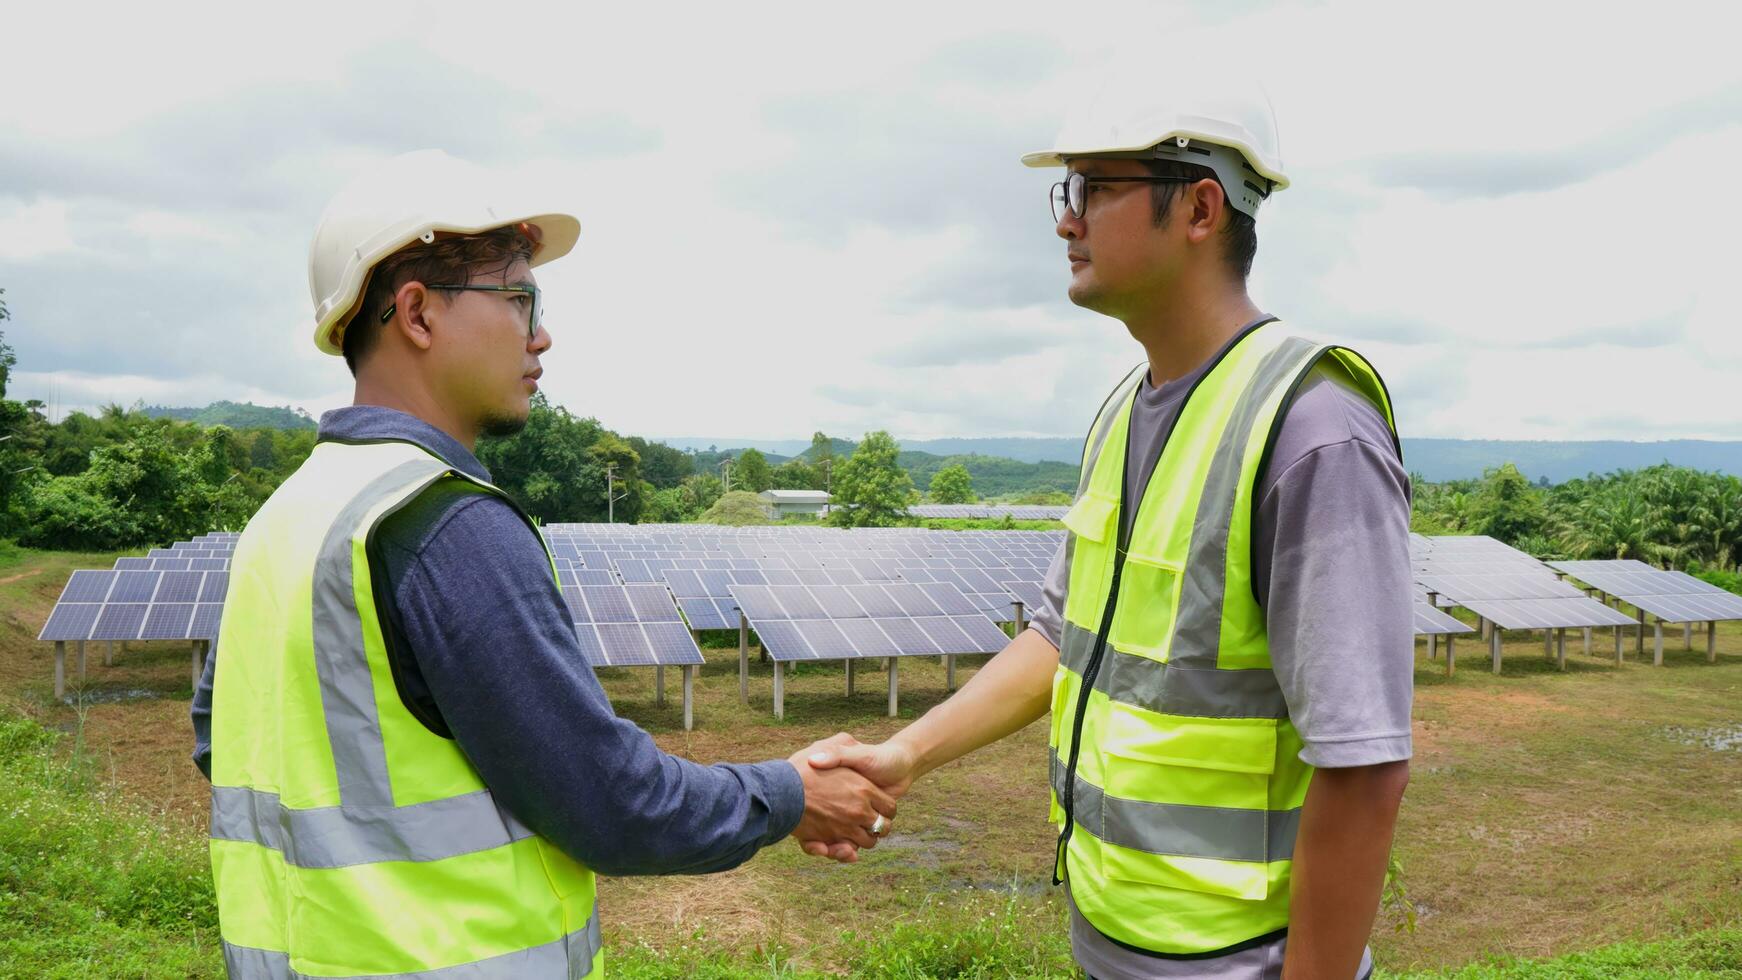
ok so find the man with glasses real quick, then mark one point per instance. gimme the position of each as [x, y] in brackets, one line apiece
[414, 770]
[1226, 647]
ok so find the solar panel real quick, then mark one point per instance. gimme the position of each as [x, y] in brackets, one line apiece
[88, 586]
[207, 616]
[167, 621]
[1431, 622]
[71, 621]
[1546, 613]
[1464, 588]
[119, 621]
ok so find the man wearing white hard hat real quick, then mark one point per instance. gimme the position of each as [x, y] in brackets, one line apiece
[414, 770]
[1226, 647]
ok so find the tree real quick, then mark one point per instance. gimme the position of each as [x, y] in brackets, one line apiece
[750, 472]
[796, 474]
[871, 488]
[1508, 507]
[952, 485]
[661, 465]
[700, 491]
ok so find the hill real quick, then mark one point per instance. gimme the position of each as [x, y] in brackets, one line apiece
[236, 415]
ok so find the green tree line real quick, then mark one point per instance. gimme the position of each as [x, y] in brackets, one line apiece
[1669, 516]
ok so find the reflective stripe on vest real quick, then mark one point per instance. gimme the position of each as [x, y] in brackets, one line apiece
[1186, 793]
[347, 839]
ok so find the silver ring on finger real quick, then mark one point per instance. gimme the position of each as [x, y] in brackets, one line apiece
[880, 826]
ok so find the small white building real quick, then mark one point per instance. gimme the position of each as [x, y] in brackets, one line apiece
[787, 503]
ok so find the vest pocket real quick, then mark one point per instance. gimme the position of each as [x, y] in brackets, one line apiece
[1149, 593]
[1185, 802]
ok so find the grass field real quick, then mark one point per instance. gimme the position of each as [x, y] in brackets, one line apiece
[1586, 823]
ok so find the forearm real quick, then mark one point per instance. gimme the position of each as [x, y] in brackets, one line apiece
[1340, 857]
[1012, 690]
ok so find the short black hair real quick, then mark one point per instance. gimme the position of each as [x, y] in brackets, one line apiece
[1239, 234]
[445, 260]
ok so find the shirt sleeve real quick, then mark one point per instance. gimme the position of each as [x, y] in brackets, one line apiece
[1049, 619]
[492, 638]
[1332, 571]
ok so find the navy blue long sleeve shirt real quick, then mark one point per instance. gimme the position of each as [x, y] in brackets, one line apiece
[484, 653]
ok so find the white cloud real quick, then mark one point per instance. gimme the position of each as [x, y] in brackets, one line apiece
[31, 231]
[787, 226]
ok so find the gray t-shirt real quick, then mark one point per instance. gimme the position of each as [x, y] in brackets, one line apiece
[1332, 574]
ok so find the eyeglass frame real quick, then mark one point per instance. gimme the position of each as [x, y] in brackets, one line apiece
[534, 317]
[1060, 190]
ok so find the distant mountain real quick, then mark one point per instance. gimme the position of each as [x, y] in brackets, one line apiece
[1456, 459]
[237, 415]
[1022, 450]
[1435, 459]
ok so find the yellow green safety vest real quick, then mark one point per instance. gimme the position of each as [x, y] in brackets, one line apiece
[1176, 775]
[347, 839]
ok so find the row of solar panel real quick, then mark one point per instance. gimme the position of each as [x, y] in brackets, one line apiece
[845, 639]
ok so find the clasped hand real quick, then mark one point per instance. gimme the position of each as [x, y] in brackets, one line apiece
[847, 785]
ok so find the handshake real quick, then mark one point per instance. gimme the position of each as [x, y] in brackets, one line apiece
[850, 790]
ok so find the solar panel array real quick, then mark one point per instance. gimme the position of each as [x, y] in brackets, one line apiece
[138, 604]
[1017, 512]
[1674, 597]
[836, 622]
[1503, 585]
[630, 626]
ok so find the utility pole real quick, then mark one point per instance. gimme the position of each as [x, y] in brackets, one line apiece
[827, 483]
[726, 473]
[611, 496]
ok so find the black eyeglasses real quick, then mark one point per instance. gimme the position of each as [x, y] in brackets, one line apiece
[1073, 191]
[534, 302]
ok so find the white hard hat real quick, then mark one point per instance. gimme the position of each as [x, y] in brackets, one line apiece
[406, 199]
[1190, 114]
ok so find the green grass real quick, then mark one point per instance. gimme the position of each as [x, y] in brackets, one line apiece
[90, 884]
[1714, 953]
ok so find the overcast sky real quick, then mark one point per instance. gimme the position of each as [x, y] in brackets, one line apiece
[813, 216]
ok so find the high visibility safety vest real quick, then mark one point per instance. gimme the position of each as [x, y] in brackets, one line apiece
[1176, 776]
[347, 839]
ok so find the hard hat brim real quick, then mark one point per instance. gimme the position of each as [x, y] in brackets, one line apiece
[557, 236]
[1057, 157]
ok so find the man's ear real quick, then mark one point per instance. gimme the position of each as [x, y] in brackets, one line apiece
[411, 314]
[1208, 201]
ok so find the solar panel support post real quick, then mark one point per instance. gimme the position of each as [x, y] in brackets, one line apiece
[1587, 641]
[1560, 647]
[689, 689]
[1617, 630]
[1688, 635]
[779, 690]
[1017, 609]
[1451, 655]
[1494, 646]
[659, 685]
[893, 707]
[1548, 644]
[1433, 646]
[60, 669]
[743, 659]
[108, 654]
[1486, 628]
[1656, 643]
[1712, 642]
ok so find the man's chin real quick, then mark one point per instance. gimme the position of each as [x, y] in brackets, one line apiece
[499, 426]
